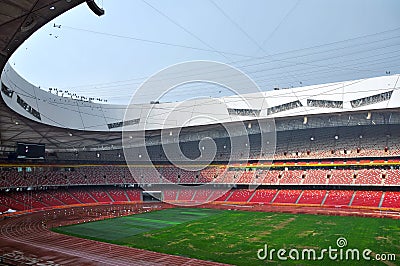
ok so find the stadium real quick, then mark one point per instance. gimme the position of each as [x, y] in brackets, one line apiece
[168, 183]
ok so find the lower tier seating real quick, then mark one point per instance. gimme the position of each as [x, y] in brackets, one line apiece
[391, 200]
[367, 198]
[263, 195]
[338, 197]
[312, 197]
[26, 200]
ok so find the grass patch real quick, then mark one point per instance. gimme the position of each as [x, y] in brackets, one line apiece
[235, 236]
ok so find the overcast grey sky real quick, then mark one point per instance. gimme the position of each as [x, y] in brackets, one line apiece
[277, 43]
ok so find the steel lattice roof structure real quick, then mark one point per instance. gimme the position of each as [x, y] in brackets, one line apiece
[29, 114]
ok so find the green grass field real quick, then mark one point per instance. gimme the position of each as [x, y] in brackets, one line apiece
[235, 236]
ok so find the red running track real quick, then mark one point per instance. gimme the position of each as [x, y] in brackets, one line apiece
[26, 239]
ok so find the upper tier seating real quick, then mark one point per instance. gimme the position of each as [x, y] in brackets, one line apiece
[317, 176]
[117, 175]
[341, 177]
[392, 177]
[291, 177]
[369, 176]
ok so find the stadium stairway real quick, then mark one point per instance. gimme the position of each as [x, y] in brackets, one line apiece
[276, 195]
[352, 198]
[326, 196]
[382, 198]
[301, 194]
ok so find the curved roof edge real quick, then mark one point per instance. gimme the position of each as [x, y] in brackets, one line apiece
[65, 112]
[20, 19]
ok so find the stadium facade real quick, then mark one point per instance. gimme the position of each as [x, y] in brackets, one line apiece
[76, 113]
